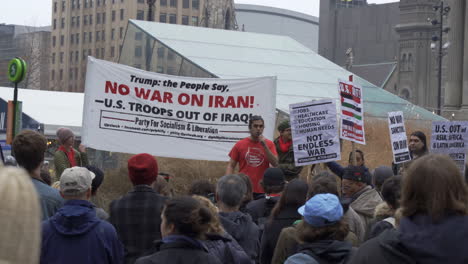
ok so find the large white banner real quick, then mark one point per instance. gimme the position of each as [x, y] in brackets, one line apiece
[134, 111]
[396, 125]
[315, 132]
[451, 138]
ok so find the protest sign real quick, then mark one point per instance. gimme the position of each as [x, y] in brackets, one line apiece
[396, 125]
[352, 114]
[450, 138]
[134, 111]
[314, 131]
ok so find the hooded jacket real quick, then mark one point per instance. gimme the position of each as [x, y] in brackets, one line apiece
[179, 249]
[383, 215]
[75, 235]
[226, 249]
[322, 252]
[241, 227]
[365, 203]
[418, 240]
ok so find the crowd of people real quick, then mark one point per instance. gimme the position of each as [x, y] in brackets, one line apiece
[265, 213]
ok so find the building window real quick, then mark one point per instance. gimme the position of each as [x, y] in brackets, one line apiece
[78, 21]
[73, 21]
[53, 41]
[84, 37]
[121, 14]
[53, 75]
[140, 15]
[160, 52]
[98, 2]
[61, 74]
[173, 3]
[90, 37]
[112, 33]
[186, 4]
[163, 18]
[97, 53]
[98, 18]
[73, 4]
[112, 51]
[86, 3]
[70, 74]
[89, 52]
[121, 32]
[53, 58]
[55, 7]
[71, 56]
[72, 39]
[76, 72]
[85, 20]
[138, 51]
[141, 1]
[185, 20]
[195, 4]
[103, 35]
[113, 15]
[90, 19]
[195, 20]
[138, 35]
[76, 55]
[172, 18]
[91, 3]
[170, 55]
[78, 4]
[163, 3]
[55, 24]
[84, 54]
[103, 53]
[61, 57]
[77, 38]
[98, 35]
[63, 6]
[62, 40]
[103, 18]
[62, 23]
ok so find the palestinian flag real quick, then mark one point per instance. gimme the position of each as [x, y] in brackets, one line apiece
[352, 125]
[351, 105]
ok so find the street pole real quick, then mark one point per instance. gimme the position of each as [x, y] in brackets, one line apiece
[149, 49]
[439, 73]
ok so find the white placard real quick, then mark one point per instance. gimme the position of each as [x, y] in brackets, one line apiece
[399, 141]
[315, 132]
[451, 138]
[134, 111]
[352, 113]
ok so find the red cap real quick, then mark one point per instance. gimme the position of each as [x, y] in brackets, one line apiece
[142, 169]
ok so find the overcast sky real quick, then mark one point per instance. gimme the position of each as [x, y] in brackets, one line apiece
[38, 12]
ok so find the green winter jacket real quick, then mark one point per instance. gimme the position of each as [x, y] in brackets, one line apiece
[286, 162]
[61, 161]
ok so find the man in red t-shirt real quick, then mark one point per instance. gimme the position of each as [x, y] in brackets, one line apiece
[254, 154]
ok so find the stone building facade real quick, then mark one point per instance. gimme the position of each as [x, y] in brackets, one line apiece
[97, 28]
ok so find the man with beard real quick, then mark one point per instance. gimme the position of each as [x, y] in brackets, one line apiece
[417, 147]
[254, 154]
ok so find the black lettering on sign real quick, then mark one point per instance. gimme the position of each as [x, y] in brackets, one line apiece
[397, 145]
[392, 120]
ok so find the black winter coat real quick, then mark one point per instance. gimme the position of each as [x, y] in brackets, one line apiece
[226, 249]
[285, 218]
[180, 252]
[260, 209]
[241, 227]
[418, 240]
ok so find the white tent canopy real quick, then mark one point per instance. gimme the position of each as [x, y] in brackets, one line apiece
[52, 109]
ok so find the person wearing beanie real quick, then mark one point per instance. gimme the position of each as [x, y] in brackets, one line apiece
[75, 234]
[273, 183]
[20, 218]
[285, 150]
[322, 232]
[379, 176]
[137, 215]
[364, 198]
[66, 156]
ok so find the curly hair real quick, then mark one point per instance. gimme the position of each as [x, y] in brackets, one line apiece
[307, 233]
[215, 225]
